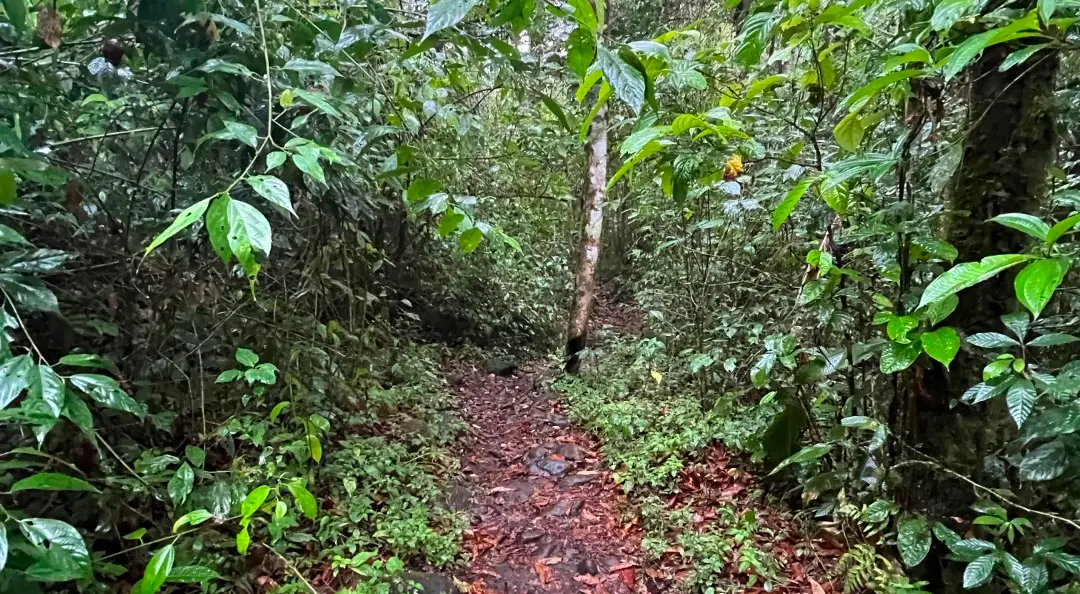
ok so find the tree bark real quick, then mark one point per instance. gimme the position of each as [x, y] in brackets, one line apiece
[1006, 156]
[593, 223]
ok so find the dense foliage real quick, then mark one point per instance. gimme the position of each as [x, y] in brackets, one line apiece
[239, 237]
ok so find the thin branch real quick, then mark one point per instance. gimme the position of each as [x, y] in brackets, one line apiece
[156, 129]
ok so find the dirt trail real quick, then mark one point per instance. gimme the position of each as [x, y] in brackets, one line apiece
[545, 515]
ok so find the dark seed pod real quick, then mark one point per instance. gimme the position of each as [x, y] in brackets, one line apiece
[113, 52]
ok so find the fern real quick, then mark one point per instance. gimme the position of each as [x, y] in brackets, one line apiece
[866, 571]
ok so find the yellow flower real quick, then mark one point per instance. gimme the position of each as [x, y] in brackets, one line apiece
[734, 167]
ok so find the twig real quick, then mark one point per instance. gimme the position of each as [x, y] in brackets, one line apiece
[292, 568]
[106, 135]
[22, 325]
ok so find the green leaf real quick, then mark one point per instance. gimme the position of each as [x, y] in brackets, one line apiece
[969, 274]
[246, 357]
[470, 240]
[196, 455]
[991, 340]
[899, 326]
[788, 204]
[309, 164]
[580, 53]
[913, 539]
[184, 220]
[239, 131]
[193, 518]
[849, 132]
[898, 356]
[3, 546]
[14, 378]
[58, 534]
[278, 409]
[250, 236]
[273, 189]
[216, 65]
[275, 159]
[446, 13]
[77, 412]
[974, 45]
[1070, 563]
[47, 387]
[449, 223]
[807, 454]
[51, 481]
[756, 32]
[8, 188]
[1024, 223]
[1061, 228]
[243, 541]
[88, 360]
[554, 107]
[864, 94]
[1036, 283]
[941, 345]
[421, 188]
[938, 311]
[1052, 339]
[157, 570]
[947, 12]
[1047, 462]
[937, 248]
[312, 67]
[107, 392]
[1047, 9]
[181, 483]
[627, 82]
[217, 227]
[318, 101]
[584, 14]
[304, 500]
[254, 501]
[191, 574]
[1021, 400]
[314, 447]
[9, 236]
[16, 13]
[978, 572]
[1020, 56]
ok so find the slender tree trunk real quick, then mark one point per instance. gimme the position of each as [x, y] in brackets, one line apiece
[593, 217]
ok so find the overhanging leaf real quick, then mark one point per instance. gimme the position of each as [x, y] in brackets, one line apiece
[1037, 282]
[969, 274]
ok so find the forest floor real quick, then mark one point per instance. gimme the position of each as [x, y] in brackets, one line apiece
[546, 516]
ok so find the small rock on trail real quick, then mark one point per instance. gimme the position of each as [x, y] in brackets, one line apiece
[543, 510]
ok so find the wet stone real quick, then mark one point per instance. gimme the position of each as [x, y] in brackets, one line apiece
[555, 468]
[570, 451]
[587, 566]
[530, 535]
[579, 479]
[565, 508]
[536, 454]
[558, 420]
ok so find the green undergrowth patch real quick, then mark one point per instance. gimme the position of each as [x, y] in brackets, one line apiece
[641, 402]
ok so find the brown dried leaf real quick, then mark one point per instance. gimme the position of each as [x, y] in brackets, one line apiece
[815, 588]
[50, 26]
[543, 572]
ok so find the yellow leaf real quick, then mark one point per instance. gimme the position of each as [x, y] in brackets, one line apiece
[656, 375]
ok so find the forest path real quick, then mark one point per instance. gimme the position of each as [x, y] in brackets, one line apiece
[545, 515]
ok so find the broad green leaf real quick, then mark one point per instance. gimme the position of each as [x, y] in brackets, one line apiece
[788, 204]
[47, 387]
[314, 447]
[592, 77]
[191, 574]
[991, 340]
[1047, 9]
[941, 345]
[194, 518]
[899, 326]
[14, 378]
[756, 31]
[640, 139]
[449, 223]
[647, 151]
[78, 413]
[3, 546]
[580, 54]
[309, 164]
[248, 230]
[273, 189]
[978, 572]
[1021, 55]
[275, 159]
[239, 131]
[1052, 339]
[16, 13]
[996, 368]
[1070, 563]
[554, 107]
[470, 240]
[1024, 223]
[1061, 228]
[157, 571]
[9, 236]
[107, 392]
[319, 101]
[970, 49]
[807, 454]
[584, 14]
[217, 227]
[196, 455]
[849, 132]
[969, 274]
[312, 67]
[760, 86]
[1036, 283]
[88, 360]
[421, 188]
[446, 13]
[184, 220]
[898, 356]
[1047, 462]
[51, 481]
[938, 311]
[863, 95]
[913, 539]
[627, 82]
[181, 483]
[1021, 400]
[243, 541]
[947, 12]
[58, 534]
[254, 501]
[216, 65]
[304, 500]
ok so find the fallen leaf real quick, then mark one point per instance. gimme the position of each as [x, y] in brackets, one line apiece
[815, 588]
[585, 578]
[627, 565]
[550, 560]
[627, 575]
[543, 572]
[501, 490]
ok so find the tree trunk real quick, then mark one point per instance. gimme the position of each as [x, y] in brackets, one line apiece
[593, 218]
[1007, 153]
